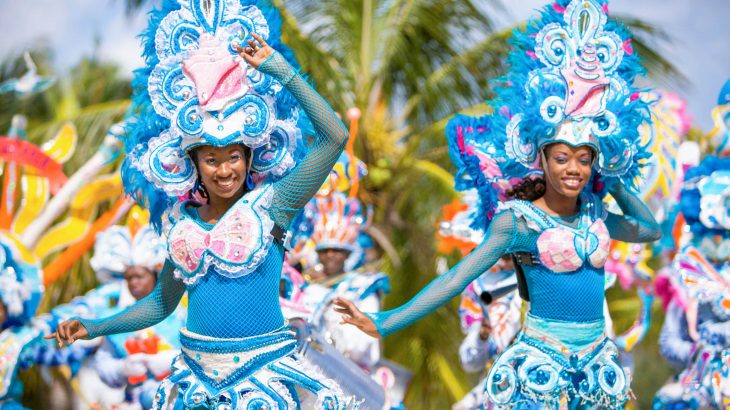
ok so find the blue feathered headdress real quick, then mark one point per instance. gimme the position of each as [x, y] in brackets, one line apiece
[195, 90]
[569, 80]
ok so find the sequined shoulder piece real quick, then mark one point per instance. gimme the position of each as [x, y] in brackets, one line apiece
[236, 245]
[525, 211]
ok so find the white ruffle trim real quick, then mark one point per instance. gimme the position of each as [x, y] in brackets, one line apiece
[259, 200]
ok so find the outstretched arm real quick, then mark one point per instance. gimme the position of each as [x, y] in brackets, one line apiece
[637, 224]
[145, 313]
[498, 241]
[296, 189]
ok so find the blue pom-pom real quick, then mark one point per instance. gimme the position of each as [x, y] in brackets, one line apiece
[689, 203]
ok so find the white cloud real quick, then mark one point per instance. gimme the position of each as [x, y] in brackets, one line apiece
[70, 28]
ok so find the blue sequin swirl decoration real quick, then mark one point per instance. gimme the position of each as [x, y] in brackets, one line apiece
[246, 21]
[209, 13]
[188, 119]
[276, 156]
[169, 167]
[171, 87]
[616, 156]
[261, 82]
[176, 35]
[518, 147]
[258, 115]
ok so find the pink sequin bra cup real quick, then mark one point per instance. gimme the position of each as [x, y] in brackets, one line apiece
[561, 248]
[236, 245]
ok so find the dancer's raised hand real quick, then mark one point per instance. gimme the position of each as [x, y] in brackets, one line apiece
[256, 52]
[353, 316]
[69, 332]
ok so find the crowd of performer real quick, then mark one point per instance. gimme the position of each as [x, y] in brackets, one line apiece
[248, 274]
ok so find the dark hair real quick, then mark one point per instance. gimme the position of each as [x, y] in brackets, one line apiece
[529, 189]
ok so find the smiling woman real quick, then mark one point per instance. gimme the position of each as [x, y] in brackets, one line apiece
[567, 170]
[224, 176]
[214, 113]
[566, 115]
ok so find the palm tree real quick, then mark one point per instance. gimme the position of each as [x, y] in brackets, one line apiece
[93, 97]
[409, 65]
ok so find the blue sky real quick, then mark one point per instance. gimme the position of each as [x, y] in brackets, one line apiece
[700, 43]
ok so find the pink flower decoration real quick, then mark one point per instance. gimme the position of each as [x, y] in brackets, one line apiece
[557, 7]
[554, 253]
[531, 54]
[504, 111]
[605, 7]
[634, 97]
[628, 48]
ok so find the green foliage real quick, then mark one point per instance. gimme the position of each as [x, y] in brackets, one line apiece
[93, 97]
[649, 369]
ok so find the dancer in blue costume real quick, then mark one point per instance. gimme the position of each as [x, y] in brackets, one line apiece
[21, 287]
[125, 369]
[490, 327]
[329, 236]
[696, 332]
[227, 123]
[337, 223]
[565, 124]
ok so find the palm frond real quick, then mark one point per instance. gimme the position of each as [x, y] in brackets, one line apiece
[648, 40]
[461, 82]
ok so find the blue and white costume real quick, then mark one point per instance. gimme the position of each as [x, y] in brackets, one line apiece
[21, 336]
[124, 369]
[20, 293]
[504, 318]
[237, 351]
[570, 81]
[696, 332]
[336, 219]
[336, 222]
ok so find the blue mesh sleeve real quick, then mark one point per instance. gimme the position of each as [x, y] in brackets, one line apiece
[147, 312]
[674, 341]
[498, 241]
[294, 190]
[637, 224]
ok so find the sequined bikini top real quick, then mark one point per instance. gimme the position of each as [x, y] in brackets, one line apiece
[236, 245]
[562, 248]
